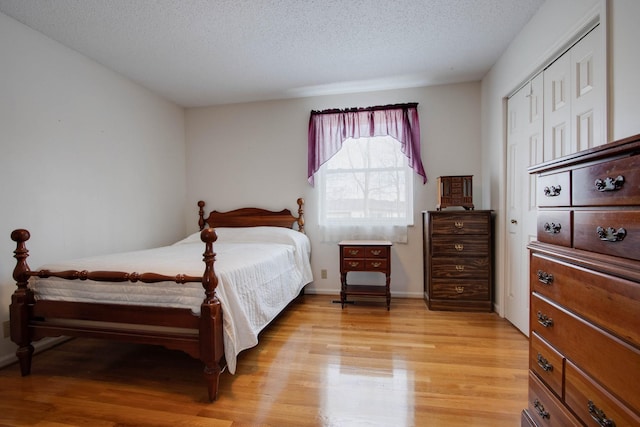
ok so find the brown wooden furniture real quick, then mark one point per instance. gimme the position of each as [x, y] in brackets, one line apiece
[585, 290]
[456, 190]
[458, 260]
[365, 255]
[199, 336]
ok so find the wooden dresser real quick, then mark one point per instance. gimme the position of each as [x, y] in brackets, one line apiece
[458, 260]
[584, 357]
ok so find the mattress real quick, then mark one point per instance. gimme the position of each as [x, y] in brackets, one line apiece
[260, 270]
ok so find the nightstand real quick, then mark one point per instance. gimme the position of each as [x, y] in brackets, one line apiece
[365, 255]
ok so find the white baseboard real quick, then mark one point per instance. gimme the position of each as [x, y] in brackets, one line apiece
[38, 347]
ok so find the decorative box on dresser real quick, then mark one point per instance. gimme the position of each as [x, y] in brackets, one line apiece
[584, 353]
[458, 260]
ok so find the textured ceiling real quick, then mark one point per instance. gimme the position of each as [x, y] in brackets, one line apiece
[210, 52]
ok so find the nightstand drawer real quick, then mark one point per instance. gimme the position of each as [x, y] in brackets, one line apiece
[353, 252]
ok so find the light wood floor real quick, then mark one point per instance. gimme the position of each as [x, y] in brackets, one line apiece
[316, 365]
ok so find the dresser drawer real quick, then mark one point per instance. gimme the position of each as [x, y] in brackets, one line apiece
[375, 264]
[545, 409]
[452, 224]
[614, 233]
[555, 227]
[554, 189]
[608, 360]
[460, 246]
[547, 363]
[580, 290]
[613, 183]
[593, 404]
[353, 252]
[460, 267]
[460, 289]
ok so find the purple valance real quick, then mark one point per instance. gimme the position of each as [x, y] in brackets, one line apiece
[328, 129]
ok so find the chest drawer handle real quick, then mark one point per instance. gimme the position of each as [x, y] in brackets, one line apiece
[609, 184]
[376, 264]
[599, 416]
[540, 409]
[354, 252]
[353, 264]
[544, 277]
[459, 267]
[459, 247]
[376, 252]
[459, 289]
[545, 320]
[459, 225]
[552, 228]
[610, 234]
[552, 191]
[544, 363]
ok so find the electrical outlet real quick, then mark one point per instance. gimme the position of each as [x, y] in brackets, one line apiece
[6, 329]
[323, 274]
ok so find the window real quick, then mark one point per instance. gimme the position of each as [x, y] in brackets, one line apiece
[365, 159]
[366, 191]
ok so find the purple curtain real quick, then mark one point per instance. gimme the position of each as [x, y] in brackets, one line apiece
[328, 129]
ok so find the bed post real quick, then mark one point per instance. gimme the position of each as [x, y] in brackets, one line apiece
[300, 219]
[20, 301]
[211, 338]
[201, 215]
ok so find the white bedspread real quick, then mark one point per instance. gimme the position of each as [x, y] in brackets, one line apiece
[260, 270]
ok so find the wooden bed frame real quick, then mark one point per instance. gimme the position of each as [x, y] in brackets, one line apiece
[176, 328]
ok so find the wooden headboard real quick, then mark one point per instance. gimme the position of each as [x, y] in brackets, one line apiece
[252, 217]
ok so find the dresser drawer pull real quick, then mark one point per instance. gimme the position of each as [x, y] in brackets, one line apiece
[376, 252]
[610, 184]
[353, 264]
[459, 247]
[545, 320]
[544, 277]
[610, 234]
[376, 264]
[460, 267]
[540, 409]
[459, 225]
[459, 289]
[544, 363]
[552, 228]
[552, 191]
[599, 416]
[354, 252]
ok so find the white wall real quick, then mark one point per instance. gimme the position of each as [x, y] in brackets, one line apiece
[555, 22]
[89, 162]
[255, 154]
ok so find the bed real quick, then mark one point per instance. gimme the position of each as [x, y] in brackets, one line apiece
[258, 265]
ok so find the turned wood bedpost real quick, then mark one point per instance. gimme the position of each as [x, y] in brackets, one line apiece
[20, 300]
[201, 214]
[300, 219]
[211, 338]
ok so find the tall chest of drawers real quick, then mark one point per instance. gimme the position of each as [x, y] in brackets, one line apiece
[458, 260]
[584, 353]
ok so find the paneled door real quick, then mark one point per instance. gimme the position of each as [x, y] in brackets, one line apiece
[559, 112]
[524, 148]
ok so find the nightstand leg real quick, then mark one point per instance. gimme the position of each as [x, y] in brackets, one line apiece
[388, 292]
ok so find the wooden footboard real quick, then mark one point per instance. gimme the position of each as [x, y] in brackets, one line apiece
[199, 336]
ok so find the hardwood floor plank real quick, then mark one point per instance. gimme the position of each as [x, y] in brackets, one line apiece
[316, 365]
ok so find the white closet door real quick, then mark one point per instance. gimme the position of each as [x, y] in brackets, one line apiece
[524, 148]
[575, 99]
